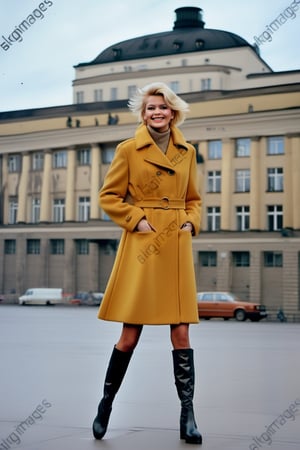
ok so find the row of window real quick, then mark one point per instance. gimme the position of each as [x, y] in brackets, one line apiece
[207, 259]
[58, 210]
[242, 180]
[241, 259]
[274, 218]
[59, 159]
[275, 146]
[56, 246]
[205, 84]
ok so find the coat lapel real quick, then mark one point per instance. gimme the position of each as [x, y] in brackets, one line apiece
[153, 154]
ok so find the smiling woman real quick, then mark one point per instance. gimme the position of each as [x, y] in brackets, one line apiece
[16, 35]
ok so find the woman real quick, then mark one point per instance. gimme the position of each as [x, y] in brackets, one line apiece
[151, 191]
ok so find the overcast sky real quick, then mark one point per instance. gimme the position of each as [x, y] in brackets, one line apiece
[38, 71]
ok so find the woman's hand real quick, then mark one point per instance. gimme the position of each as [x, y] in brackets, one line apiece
[187, 226]
[144, 225]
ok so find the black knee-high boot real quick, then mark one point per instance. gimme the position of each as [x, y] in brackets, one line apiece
[114, 376]
[184, 373]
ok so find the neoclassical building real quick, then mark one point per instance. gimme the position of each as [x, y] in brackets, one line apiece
[244, 121]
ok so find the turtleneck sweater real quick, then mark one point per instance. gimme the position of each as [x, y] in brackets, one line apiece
[160, 139]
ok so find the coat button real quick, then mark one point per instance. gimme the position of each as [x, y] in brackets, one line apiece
[158, 173]
[170, 172]
[128, 218]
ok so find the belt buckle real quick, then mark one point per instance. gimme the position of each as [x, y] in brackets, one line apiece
[165, 203]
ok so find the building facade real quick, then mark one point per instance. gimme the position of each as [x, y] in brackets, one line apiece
[244, 122]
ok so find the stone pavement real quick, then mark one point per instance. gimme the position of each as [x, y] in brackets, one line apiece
[53, 362]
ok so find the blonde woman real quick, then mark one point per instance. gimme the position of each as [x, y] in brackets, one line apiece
[151, 192]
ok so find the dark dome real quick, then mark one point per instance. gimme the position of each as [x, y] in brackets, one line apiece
[188, 35]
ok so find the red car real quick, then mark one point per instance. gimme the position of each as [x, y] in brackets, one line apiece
[228, 306]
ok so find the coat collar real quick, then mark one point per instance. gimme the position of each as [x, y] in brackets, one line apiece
[145, 142]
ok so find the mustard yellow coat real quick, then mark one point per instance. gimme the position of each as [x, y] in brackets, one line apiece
[153, 279]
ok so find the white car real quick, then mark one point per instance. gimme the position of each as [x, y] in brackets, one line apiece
[41, 296]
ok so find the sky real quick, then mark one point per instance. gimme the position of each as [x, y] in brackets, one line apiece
[38, 70]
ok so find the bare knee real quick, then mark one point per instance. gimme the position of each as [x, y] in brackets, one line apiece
[180, 336]
[129, 337]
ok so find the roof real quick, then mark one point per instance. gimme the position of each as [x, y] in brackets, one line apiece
[188, 35]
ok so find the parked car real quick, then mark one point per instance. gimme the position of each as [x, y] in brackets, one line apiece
[227, 306]
[88, 298]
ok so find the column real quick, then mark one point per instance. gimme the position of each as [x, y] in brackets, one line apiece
[290, 279]
[226, 183]
[255, 186]
[95, 181]
[20, 264]
[44, 261]
[224, 271]
[69, 267]
[94, 266]
[255, 275]
[292, 182]
[4, 189]
[45, 213]
[23, 189]
[70, 186]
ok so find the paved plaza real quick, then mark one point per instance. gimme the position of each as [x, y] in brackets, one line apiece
[53, 362]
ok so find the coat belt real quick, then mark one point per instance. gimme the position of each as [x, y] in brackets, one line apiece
[163, 203]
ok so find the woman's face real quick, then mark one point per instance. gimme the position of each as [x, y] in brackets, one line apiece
[157, 113]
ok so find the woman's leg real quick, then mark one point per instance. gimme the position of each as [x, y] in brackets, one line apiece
[129, 337]
[180, 336]
[184, 372]
[115, 373]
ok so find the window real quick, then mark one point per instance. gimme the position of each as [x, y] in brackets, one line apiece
[37, 161]
[59, 159]
[275, 217]
[213, 218]
[82, 246]
[131, 90]
[275, 145]
[58, 210]
[12, 210]
[84, 157]
[242, 180]
[33, 246]
[98, 95]
[272, 259]
[241, 259]
[275, 180]
[206, 84]
[79, 97]
[35, 212]
[215, 149]
[107, 153]
[243, 218]
[10, 246]
[14, 163]
[174, 85]
[83, 209]
[214, 181]
[57, 246]
[208, 259]
[242, 147]
[114, 93]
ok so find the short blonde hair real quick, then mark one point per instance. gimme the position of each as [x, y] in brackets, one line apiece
[137, 103]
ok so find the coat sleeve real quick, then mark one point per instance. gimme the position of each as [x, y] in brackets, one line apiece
[193, 199]
[112, 195]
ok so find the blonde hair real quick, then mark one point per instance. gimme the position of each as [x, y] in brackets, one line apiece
[137, 103]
